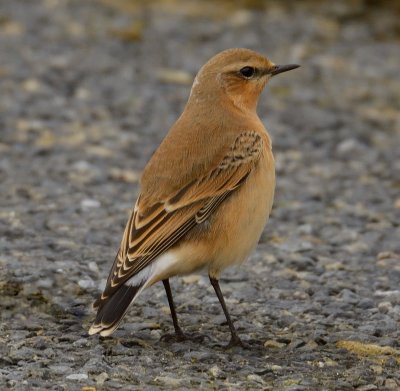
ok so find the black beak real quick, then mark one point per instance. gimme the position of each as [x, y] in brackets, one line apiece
[283, 68]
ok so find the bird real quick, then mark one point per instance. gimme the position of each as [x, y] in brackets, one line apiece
[205, 194]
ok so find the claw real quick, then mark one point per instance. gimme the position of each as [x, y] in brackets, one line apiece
[175, 337]
[180, 337]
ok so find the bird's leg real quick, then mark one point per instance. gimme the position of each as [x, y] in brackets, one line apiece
[179, 334]
[235, 340]
[178, 331]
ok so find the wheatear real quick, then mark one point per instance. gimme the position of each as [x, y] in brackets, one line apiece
[206, 193]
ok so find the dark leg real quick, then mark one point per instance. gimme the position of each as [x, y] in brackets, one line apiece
[235, 340]
[178, 331]
[179, 335]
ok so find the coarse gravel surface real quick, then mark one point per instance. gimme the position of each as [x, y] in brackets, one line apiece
[88, 89]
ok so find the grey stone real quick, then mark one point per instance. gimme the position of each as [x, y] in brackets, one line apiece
[366, 303]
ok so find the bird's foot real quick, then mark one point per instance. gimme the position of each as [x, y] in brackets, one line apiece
[235, 342]
[181, 336]
[173, 337]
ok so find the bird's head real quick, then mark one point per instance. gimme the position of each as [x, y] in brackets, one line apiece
[238, 75]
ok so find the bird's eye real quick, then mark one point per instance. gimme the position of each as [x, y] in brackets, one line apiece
[247, 72]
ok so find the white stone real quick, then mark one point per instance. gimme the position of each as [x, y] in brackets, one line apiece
[77, 376]
[86, 283]
[89, 203]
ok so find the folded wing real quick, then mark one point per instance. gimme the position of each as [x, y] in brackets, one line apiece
[151, 230]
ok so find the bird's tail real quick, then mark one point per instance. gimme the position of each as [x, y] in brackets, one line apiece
[111, 312]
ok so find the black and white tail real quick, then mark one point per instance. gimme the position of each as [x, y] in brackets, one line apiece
[111, 312]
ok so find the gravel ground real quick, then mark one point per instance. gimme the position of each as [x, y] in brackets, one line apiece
[88, 90]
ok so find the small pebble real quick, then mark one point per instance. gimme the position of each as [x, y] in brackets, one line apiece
[77, 376]
[87, 204]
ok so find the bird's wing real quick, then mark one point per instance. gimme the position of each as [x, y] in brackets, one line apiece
[152, 230]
